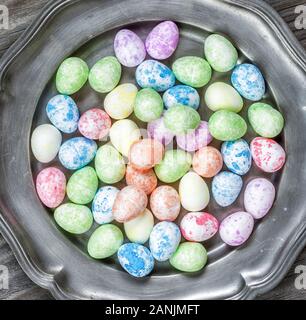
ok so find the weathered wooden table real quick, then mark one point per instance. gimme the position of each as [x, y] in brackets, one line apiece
[20, 286]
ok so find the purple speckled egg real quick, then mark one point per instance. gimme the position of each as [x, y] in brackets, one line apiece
[236, 228]
[158, 131]
[196, 139]
[162, 41]
[129, 48]
[259, 197]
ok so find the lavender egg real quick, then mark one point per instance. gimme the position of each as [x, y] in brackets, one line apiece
[181, 94]
[158, 131]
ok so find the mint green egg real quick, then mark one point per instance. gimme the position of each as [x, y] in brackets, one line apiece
[105, 241]
[105, 75]
[82, 186]
[265, 120]
[220, 53]
[71, 75]
[109, 164]
[227, 126]
[73, 218]
[192, 71]
[181, 119]
[149, 105]
[175, 164]
[189, 257]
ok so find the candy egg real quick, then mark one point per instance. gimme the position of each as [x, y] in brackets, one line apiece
[207, 162]
[162, 41]
[192, 71]
[102, 205]
[45, 142]
[155, 75]
[139, 229]
[136, 259]
[221, 96]
[265, 120]
[189, 257]
[51, 187]
[267, 154]
[220, 53]
[181, 119]
[123, 134]
[226, 187]
[95, 124]
[119, 103]
[237, 156]
[109, 164]
[165, 203]
[105, 75]
[82, 186]
[129, 203]
[199, 226]
[144, 180]
[164, 240]
[227, 126]
[259, 196]
[174, 165]
[148, 105]
[157, 130]
[105, 241]
[194, 193]
[129, 48]
[196, 139]
[77, 152]
[73, 218]
[248, 80]
[71, 75]
[236, 228]
[63, 113]
[181, 94]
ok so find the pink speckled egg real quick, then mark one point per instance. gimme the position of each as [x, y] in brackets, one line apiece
[199, 226]
[129, 48]
[259, 196]
[196, 139]
[165, 203]
[146, 181]
[268, 155]
[158, 131]
[51, 187]
[162, 41]
[95, 124]
[236, 228]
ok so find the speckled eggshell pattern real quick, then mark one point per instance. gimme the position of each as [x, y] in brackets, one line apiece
[158, 131]
[181, 94]
[144, 180]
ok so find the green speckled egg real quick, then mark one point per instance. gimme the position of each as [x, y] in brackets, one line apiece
[105, 75]
[73, 218]
[174, 166]
[105, 241]
[71, 75]
[181, 119]
[265, 120]
[227, 126]
[109, 164]
[220, 53]
[189, 257]
[82, 186]
[192, 71]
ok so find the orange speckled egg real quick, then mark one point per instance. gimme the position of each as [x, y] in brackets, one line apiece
[207, 162]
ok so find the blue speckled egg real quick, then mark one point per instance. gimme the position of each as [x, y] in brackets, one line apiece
[226, 187]
[102, 205]
[63, 113]
[249, 81]
[155, 75]
[77, 152]
[237, 156]
[164, 240]
[136, 259]
[182, 94]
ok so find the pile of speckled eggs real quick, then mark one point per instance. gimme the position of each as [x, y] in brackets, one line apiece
[174, 149]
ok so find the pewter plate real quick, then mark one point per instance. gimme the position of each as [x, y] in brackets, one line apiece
[59, 262]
